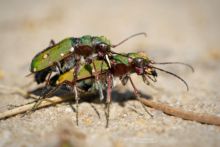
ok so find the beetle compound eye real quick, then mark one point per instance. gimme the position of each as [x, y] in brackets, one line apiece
[139, 62]
[102, 47]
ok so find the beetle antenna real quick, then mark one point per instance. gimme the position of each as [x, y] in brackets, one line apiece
[152, 79]
[126, 39]
[181, 63]
[121, 54]
[178, 77]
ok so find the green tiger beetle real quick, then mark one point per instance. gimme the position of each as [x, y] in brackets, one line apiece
[86, 46]
[122, 66]
[70, 53]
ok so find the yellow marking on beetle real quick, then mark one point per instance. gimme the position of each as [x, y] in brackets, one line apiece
[62, 54]
[148, 70]
[45, 56]
[72, 49]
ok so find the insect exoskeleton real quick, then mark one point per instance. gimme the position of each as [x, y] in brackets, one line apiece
[84, 46]
[67, 54]
[122, 66]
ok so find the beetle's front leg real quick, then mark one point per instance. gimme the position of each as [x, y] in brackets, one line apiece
[136, 92]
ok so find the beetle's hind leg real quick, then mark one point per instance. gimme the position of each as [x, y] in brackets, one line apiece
[52, 43]
[44, 94]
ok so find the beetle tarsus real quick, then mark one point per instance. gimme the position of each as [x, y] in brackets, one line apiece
[108, 99]
[77, 104]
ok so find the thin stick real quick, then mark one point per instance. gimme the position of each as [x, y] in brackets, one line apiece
[46, 102]
[188, 115]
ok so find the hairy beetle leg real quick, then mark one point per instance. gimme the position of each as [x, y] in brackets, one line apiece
[108, 99]
[138, 94]
[76, 71]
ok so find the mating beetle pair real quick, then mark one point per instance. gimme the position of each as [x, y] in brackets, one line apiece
[69, 53]
[87, 46]
[66, 57]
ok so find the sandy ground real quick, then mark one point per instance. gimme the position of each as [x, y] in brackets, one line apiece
[186, 31]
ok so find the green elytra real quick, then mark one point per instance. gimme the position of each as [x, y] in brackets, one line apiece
[64, 48]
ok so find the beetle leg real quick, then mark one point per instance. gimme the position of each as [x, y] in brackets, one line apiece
[77, 98]
[88, 60]
[74, 88]
[77, 104]
[67, 63]
[145, 79]
[124, 79]
[76, 71]
[145, 109]
[109, 98]
[136, 92]
[58, 67]
[43, 95]
[152, 78]
[99, 85]
[52, 43]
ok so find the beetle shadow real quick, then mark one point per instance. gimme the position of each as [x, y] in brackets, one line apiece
[92, 98]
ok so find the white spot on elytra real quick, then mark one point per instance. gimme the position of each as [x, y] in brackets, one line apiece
[34, 69]
[72, 49]
[62, 54]
[45, 56]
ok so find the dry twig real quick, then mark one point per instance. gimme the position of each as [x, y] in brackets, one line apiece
[46, 102]
[188, 115]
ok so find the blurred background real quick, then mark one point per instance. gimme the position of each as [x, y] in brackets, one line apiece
[183, 30]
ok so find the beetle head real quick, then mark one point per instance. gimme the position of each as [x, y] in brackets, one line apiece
[143, 67]
[102, 49]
